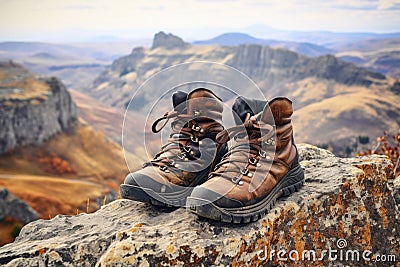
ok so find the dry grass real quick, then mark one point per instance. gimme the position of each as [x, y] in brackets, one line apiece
[109, 121]
[339, 111]
[50, 196]
[15, 77]
[85, 154]
[67, 174]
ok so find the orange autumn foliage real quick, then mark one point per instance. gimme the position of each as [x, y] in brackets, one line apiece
[54, 163]
[389, 146]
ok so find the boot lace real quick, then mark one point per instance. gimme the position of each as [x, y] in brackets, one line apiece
[252, 140]
[185, 130]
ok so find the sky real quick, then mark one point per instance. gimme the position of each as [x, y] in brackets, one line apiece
[85, 20]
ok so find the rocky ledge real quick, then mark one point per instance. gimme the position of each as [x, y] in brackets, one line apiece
[32, 109]
[347, 208]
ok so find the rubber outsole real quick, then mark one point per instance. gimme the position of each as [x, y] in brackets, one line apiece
[289, 184]
[147, 195]
[174, 199]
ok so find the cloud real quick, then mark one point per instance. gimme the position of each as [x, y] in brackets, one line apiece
[388, 4]
[80, 7]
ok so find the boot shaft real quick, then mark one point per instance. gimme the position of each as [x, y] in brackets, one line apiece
[276, 112]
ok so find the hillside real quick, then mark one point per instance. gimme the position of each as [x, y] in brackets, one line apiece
[49, 158]
[333, 99]
[109, 120]
[378, 55]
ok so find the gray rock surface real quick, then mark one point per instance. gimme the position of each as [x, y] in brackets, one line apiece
[350, 199]
[11, 206]
[33, 119]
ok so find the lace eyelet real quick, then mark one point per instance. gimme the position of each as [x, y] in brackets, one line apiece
[270, 142]
[187, 149]
[163, 168]
[181, 155]
[196, 128]
[196, 112]
[194, 139]
[262, 153]
[244, 171]
[236, 179]
[253, 161]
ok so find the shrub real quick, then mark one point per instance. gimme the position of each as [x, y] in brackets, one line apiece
[363, 139]
[389, 147]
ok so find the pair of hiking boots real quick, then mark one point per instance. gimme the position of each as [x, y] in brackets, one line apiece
[232, 175]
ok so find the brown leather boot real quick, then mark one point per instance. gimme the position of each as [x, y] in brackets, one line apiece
[260, 166]
[185, 161]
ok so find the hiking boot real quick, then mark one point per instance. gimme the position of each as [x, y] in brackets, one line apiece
[260, 166]
[185, 161]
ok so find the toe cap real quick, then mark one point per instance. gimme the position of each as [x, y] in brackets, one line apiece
[222, 201]
[142, 180]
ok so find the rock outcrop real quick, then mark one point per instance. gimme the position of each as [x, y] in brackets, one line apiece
[31, 109]
[169, 41]
[345, 205]
[14, 208]
[279, 65]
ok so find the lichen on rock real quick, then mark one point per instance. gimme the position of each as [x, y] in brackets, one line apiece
[346, 204]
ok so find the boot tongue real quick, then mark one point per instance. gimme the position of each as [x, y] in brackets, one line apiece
[244, 106]
[179, 101]
[277, 112]
[204, 104]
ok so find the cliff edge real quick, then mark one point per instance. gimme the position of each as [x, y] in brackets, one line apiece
[32, 109]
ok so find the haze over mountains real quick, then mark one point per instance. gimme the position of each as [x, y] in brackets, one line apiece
[334, 100]
[234, 39]
[77, 64]
[278, 67]
[311, 82]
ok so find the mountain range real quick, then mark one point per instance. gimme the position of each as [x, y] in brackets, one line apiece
[334, 100]
[235, 39]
